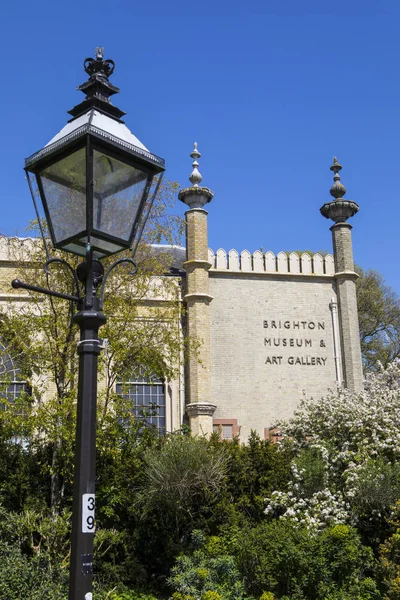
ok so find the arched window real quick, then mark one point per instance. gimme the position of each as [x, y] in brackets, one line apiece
[12, 385]
[146, 393]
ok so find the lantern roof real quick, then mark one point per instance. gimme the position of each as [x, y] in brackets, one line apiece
[94, 119]
[97, 116]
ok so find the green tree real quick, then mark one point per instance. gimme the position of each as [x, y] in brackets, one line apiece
[254, 470]
[43, 334]
[379, 319]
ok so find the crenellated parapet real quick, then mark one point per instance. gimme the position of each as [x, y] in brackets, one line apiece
[283, 263]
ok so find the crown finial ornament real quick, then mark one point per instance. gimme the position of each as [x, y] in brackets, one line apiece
[98, 89]
[195, 177]
[339, 210]
[195, 196]
[99, 66]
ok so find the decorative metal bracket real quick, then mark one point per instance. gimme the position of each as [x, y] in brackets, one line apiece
[16, 284]
[118, 262]
[63, 262]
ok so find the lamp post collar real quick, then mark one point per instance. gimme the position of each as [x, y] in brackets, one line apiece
[97, 88]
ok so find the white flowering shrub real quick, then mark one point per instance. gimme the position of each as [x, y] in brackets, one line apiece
[347, 449]
[320, 510]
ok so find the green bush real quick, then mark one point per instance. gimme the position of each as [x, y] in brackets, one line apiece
[130, 595]
[388, 571]
[295, 564]
[209, 573]
[312, 469]
[377, 487]
[29, 577]
[254, 470]
[182, 482]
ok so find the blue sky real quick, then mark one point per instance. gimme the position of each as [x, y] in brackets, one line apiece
[270, 90]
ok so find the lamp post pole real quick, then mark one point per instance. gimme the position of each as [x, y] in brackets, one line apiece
[89, 318]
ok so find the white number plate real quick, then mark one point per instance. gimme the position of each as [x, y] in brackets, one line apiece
[88, 513]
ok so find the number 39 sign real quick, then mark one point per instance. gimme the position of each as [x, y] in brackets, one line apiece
[87, 513]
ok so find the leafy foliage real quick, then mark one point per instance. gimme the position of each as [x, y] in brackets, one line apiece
[379, 319]
[389, 558]
[291, 562]
[42, 334]
[255, 469]
[182, 483]
[23, 577]
[352, 440]
[33, 549]
[184, 474]
[298, 520]
[209, 573]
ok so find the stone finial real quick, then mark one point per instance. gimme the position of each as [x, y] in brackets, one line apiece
[195, 196]
[337, 190]
[339, 210]
[195, 176]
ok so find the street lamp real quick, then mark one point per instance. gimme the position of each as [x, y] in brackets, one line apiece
[96, 182]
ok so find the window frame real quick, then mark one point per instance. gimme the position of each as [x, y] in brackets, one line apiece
[232, 422]
[148, 381]
[11, 369]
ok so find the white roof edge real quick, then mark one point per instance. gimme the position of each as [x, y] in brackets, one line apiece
[103, 122]
[168, 246]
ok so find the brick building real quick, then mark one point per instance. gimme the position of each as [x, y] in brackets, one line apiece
[270, 328]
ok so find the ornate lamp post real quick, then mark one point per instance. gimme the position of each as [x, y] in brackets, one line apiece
[96, 182]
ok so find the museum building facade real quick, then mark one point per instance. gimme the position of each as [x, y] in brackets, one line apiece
[270, 328]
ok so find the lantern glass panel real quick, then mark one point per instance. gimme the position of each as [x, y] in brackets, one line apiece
[64, 187]
[117, 194]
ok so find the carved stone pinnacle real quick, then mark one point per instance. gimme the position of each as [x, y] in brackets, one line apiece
[340, 209]
[195, 196]
[337, 190]
[195, 177]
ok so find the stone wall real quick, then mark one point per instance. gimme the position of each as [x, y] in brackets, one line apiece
[272, 335]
